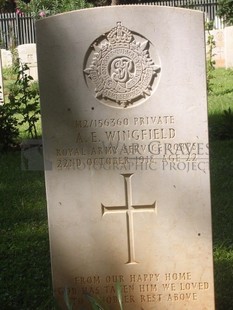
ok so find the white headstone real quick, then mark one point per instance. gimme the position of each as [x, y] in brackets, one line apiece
[32, 155]
[6, 58]
[123, 93]
[218, 53]
[229, 46]
[27, 55]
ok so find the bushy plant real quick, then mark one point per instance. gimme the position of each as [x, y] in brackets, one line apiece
[24, 100]
[6, 6]
[43, 8]
[9, 132]
[225, 10]
[210, 56]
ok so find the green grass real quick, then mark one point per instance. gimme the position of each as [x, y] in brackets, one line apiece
[9, 77]
[24, 248]
[221, 96]
[222, 214]
[220, 100]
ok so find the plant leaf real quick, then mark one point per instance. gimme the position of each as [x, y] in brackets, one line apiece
[119, 294]
[95, 303]
[67, 300]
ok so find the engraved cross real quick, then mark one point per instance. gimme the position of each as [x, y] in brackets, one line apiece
[129, 209]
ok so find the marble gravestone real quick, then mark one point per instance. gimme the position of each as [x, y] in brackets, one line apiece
[6, 57]
[123, 94]
[229, 46]
[27, 55]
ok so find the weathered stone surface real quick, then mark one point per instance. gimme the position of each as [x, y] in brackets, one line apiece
[123, 92]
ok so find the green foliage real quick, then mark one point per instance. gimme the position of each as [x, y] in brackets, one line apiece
[210, 61]
[95, 302]
[119, 294]
[67, 300]
[225, 10]
[24, 100]
[43, 8]
[100, 2]
[6, 6]
[70, 5]
[9, 132]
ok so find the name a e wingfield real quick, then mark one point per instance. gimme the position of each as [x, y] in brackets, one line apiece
[137, 135]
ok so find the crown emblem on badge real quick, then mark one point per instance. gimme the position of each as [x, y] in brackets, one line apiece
[121, 69]
[119, 34]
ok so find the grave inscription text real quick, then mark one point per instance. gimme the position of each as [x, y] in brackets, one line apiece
[138, 288]
[140, 143]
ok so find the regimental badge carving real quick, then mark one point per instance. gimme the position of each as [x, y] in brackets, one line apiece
[120, 68]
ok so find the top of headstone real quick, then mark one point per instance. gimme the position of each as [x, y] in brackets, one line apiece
[122, 6]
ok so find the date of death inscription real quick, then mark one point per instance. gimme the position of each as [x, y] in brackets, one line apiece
[137, 289]
[137, 143]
